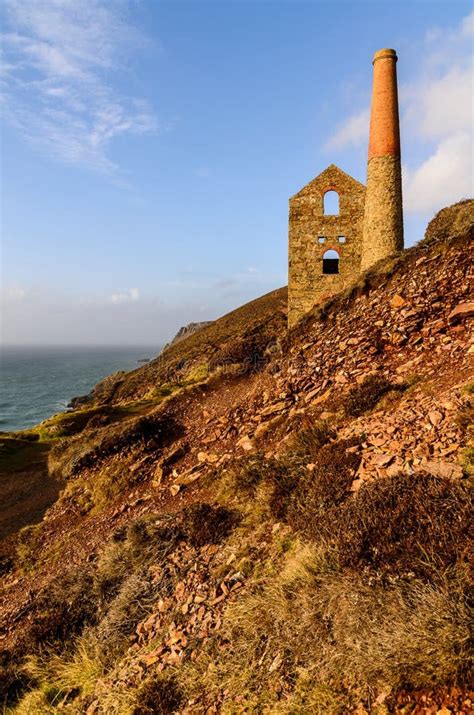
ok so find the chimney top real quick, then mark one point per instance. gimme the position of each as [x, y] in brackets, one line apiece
[385, 53]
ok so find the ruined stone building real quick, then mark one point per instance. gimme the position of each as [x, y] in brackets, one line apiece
[339, 228]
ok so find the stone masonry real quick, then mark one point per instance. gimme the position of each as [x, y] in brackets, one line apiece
[369, 224]
[383, 222]
[312, 234]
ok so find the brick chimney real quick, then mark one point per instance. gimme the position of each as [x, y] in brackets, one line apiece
[383, 216]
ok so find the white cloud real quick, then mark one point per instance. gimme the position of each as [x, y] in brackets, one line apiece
[437, 122]
[352, 132]
[58, 82]
[129, 296]
[13, 293]
[443, 178]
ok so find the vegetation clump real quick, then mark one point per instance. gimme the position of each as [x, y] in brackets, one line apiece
[203, 524]
[244, 476]
[403, 524]
[322, 487]
[161, 694]
[310, 436]
[364, 397]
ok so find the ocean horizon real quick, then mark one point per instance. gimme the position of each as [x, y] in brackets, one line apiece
[38, 381]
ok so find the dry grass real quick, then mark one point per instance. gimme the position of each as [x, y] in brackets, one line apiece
[77, 671]
[97, 605]
[148, 432]
[307, 635]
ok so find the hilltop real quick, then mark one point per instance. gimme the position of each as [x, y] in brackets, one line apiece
[263, 521]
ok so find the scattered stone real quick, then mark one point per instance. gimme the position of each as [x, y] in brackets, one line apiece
[397, 301]
[463, 310]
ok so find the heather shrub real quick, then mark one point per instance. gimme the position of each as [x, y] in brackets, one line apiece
[159, 695]
[245, 474]
[364, 397]
[310, 436]
[320, 490]
[206, 524]
[66, 605]
[403, 524]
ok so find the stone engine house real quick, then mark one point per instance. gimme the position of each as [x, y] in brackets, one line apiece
[325, 239]
[332, 242]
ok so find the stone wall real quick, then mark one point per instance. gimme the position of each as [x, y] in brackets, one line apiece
[307, 285]
[383, 223]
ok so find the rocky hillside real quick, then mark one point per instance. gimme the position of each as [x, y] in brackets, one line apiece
[264, 522]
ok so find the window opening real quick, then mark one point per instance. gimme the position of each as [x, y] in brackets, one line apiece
[330, 263]
[331, 203]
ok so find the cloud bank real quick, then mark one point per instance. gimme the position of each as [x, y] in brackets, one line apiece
[437, 122]
[59, 77]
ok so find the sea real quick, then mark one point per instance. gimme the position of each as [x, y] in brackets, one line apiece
[37, 382]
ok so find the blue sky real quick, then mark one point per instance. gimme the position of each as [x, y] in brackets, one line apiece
[149, 148]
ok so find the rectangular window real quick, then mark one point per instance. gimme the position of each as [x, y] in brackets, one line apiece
[341, 239]
[321, 239]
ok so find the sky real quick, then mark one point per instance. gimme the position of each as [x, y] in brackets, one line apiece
[149, 147]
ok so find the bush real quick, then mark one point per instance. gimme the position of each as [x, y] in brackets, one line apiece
[365, 396]
[131, 550]
[13, 681]
[28, 545]
[205, 524]
[465, 417]
[160, 696]
[406, 524]
[319, 492]
[311, 436]
[63, 609]
[283, 484]
[131, 604]
[245, 474]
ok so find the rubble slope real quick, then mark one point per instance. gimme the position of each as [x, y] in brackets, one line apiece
[266, 522]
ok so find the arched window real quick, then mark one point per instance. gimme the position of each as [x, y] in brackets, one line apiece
[331, 203]
[330, 263]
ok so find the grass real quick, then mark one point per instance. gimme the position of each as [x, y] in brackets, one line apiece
[59, 676]
[308, 635]
[28, 545]
[26, 487]
[83, 620]
[313, 630]
[106, 453]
